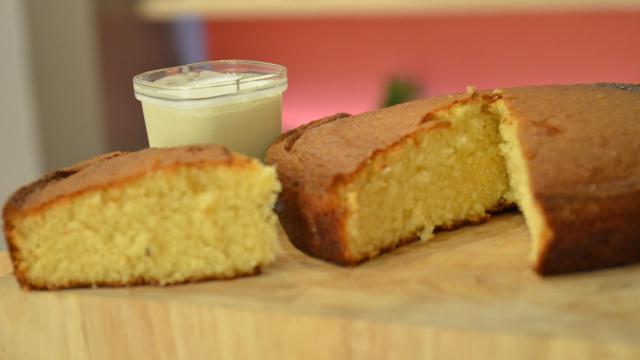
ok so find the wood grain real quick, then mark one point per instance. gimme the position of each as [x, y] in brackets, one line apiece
[5, 263]
[466, 294]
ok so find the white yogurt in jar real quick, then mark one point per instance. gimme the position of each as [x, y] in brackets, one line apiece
[234, 103]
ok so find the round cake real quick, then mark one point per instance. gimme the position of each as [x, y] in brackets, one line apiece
[568, 156]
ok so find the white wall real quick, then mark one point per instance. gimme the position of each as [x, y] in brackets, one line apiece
[66, 69]
[20, 160]
[67, 87]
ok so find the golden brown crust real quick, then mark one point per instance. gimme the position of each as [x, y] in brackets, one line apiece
[338, 145]
[582, 149]
[114, 168]
[137, 282]
[289, 138]
[19, 198]
[105, 171]
[585, 170]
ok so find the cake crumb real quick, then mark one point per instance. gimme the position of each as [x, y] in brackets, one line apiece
[427, 233]
[471, 89]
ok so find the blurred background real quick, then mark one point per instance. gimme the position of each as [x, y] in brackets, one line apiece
[66, 65]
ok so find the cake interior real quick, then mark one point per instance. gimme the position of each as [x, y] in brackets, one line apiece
[450, 173]
[519, 183]
[175, 225]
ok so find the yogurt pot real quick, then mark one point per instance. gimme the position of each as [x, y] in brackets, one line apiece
[236, 103]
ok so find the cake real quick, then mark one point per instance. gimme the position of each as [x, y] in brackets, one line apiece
[156, 216]
[567, 156]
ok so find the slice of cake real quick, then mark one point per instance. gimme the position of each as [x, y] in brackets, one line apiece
[157, 216]
[356, 186]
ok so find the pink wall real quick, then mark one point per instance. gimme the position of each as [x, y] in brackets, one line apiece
[341, 64]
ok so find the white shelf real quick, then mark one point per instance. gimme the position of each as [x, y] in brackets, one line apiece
[222, 9]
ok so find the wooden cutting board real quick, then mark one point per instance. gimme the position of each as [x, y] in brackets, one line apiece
[466, 294]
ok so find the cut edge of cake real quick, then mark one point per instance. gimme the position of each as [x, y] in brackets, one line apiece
[459, 141]
[520, 187]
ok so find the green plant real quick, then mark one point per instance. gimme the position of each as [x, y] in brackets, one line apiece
[399, 89]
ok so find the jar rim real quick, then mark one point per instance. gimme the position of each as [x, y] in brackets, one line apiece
[251, 76]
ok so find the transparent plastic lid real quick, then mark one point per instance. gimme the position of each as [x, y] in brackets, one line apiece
[211, 81]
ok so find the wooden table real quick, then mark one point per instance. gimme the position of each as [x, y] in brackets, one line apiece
[467, 294]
